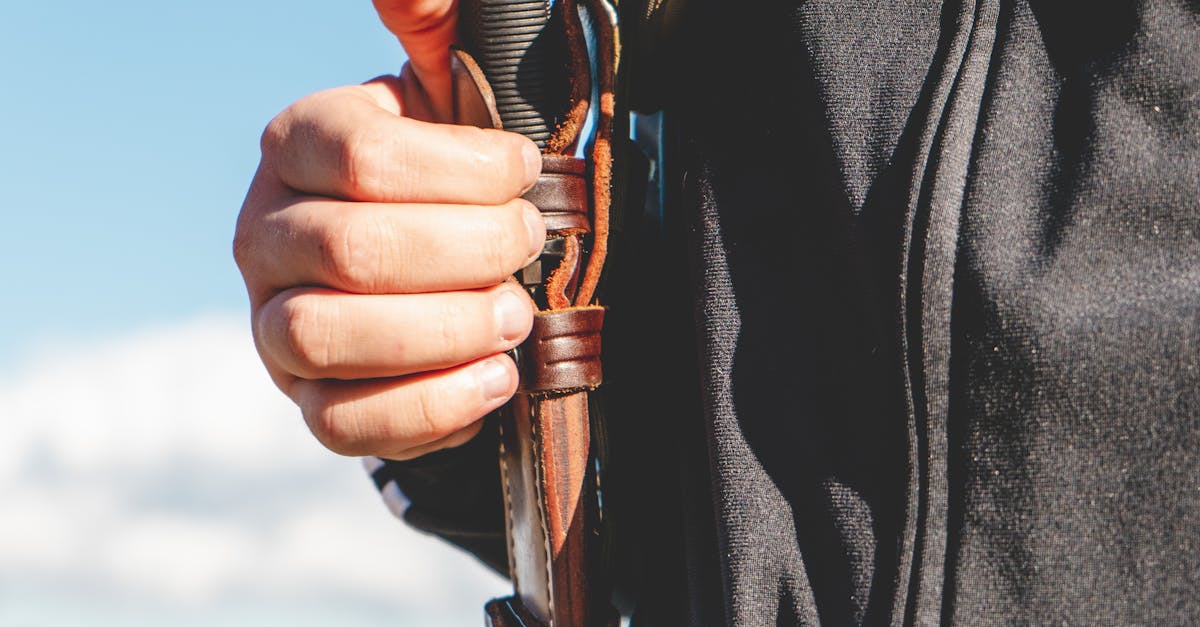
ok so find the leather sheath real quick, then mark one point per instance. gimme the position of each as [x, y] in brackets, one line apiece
[545, 431]
[545, 436]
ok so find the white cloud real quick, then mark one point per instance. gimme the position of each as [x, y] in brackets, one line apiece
[164, 468]
[188, 560]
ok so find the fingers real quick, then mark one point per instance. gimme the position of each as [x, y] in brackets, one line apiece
[398, 418]
[457, 438]
[323, 334]
[426, 29]
[376, 245]
[349, 143]
[370, 248]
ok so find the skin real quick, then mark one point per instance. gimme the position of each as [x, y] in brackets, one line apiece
[377, 242]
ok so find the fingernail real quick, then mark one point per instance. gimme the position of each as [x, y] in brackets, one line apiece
[512, 315]
[537, 232]
[493, 379]
[533, 163]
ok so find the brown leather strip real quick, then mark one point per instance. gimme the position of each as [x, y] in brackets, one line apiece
[566, 136]
[561, 194]
[562, 281]
[608, 57]
[474, 102]
[563, 351]
[563, 164]
[548, 443]
[563, 441]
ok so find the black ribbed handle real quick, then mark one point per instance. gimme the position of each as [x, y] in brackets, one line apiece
[517, 46]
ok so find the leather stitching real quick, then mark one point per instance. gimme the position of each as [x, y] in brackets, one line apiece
[536, 449]
[508, 506]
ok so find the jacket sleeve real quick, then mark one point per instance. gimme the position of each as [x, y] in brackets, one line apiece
[453, 493]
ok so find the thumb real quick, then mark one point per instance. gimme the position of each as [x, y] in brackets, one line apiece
[426, 29]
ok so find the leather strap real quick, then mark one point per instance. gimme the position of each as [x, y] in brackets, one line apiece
[561, 194]
[563, 351]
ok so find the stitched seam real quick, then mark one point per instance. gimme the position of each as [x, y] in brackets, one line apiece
[536, 442]
[508, 507]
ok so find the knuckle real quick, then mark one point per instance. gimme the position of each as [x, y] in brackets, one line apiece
[308, 334]
[360, 163]
[351, 252]
[247, 231]
[427, 413]
[299, 119]
[242, 248]
[274, 136]
[336, 429]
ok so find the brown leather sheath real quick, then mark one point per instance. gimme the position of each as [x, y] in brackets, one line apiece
[545, 435]
[545, 443]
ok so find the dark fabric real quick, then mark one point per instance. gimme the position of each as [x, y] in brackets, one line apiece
[455, 494]
[944, 267]
[1075, 471]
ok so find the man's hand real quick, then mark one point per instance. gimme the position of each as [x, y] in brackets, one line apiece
[376, 247]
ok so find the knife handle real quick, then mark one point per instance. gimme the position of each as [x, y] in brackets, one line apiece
[521, 49]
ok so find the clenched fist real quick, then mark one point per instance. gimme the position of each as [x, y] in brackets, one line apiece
[376, 242]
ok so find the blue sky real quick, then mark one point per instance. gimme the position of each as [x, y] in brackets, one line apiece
[129, 132]
[150, 473]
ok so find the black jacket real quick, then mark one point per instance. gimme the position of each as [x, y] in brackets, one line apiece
[917, 339]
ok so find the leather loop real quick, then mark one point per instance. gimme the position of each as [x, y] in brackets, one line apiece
[561, 194]
[562, 352]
